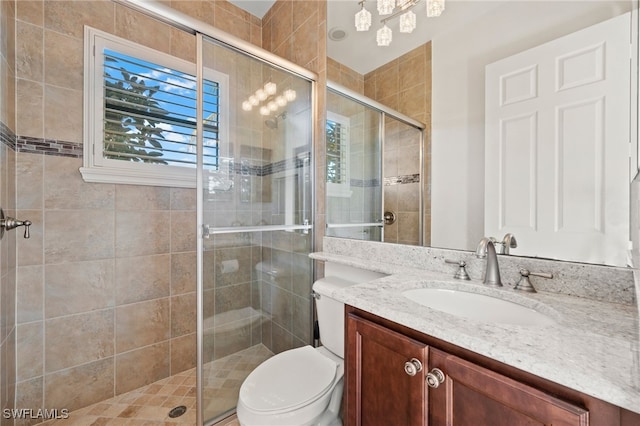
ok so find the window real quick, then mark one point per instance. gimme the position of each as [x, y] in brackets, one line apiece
[337, 138]
[140, 115]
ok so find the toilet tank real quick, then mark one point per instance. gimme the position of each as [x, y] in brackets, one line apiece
[330, 311]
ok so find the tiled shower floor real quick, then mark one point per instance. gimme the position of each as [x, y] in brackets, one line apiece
[150, 405]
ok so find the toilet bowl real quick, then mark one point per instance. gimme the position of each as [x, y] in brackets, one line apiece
[303, 386]
[298, 387]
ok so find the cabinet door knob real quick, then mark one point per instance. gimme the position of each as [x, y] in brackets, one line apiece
[435, 378]
[412, 367]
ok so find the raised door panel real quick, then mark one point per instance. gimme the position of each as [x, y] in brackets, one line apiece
[378, 390]
[474, 396]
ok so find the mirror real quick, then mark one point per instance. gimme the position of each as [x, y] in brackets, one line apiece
[461, 43]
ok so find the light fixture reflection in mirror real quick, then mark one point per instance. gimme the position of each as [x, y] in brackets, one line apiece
[463, 41]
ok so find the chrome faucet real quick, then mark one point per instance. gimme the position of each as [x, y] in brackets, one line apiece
[486, 248]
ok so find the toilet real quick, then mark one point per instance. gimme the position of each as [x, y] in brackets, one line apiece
[303, 386]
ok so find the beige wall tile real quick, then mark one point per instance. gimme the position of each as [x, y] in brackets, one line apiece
[29, 52]
[29, 394]
[183, 272]
[29, 341]
[183, 314]
[138, 197]
[183, 199]
[63, 114]
[183, 353]
[30, 11]
[80, 386]
[63, 59]
[69, 17]
[30, 293]
[142, 278]
[142, 29]
[141, 324]
[66, 242]
[201, 10]
[183, 44]
[65, 189]
[183, 231]
[30, 174]
[30, 251]
[142, 366]
[30, 109]
[231, 23]
[79, 287]
[92, 333]
[141, 233]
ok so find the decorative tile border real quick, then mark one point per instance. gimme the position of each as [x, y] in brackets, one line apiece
[48, 147]
[7, 137]
[364, 183]
[401, 180]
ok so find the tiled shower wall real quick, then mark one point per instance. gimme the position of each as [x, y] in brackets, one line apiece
[7, 202]
[403, 84]
[106, 283]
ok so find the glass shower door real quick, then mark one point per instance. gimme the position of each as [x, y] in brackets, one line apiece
[354, 169]
[255, 206]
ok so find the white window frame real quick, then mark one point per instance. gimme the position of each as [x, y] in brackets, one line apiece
[342, 189]
[96, 168]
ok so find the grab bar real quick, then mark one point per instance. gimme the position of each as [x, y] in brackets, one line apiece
[210, 230]
[354, 225]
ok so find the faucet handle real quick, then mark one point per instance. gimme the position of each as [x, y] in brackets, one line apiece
[525, 284]
[461, 274]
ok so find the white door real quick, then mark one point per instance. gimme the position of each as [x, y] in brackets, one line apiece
[557, 146]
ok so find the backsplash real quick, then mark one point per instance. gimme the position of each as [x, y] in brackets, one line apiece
[602, 283]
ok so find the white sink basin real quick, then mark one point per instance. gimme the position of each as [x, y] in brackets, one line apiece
[477, 307]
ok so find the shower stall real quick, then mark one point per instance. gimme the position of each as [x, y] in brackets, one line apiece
[375, 191]
[254, 134]
[255, 211]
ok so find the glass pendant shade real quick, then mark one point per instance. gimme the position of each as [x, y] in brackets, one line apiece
[383, 36]
[363, 20]
[385, 7]
[270, 88]
[434, 7]
[407, 22]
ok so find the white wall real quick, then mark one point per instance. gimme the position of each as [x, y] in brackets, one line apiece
[458, 61]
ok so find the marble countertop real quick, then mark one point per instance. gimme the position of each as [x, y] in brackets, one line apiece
[592, 346]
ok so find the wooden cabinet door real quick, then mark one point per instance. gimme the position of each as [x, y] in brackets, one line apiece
[474, 396]
[378, 390]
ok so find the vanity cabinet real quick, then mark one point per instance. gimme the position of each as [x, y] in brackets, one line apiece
[398, 376]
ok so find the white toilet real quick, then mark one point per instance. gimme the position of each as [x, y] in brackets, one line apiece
[303, 386]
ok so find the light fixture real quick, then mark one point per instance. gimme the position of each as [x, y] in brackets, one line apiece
[261, 94]
[435, 8]
[407, 22]
[363, 18]
[269, 98]
[385, 7]
[408, 19]
[290, 95]
[384, 36]
[270, 88]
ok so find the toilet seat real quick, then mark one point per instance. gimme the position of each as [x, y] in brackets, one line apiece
[288, 381]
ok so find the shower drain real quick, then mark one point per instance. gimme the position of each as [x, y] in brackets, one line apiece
[177, 411]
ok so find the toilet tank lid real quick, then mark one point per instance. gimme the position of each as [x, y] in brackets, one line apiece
[288, 380]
